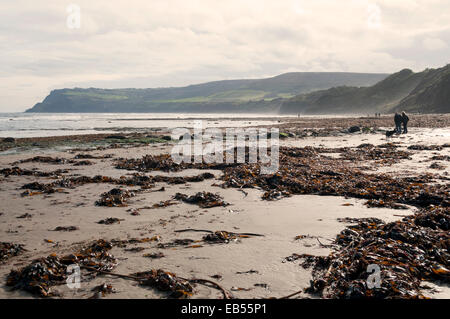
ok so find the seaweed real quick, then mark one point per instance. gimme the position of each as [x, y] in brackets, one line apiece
[8, 250]
[161, 162]
[176, 243]
[124, 242]
[110, 221]
[26, 215]
[407, 252]
[154, 255]
[419, 147]
[42, 274]
[440, 158]
[202, 199]
[303, 171]
[437, 166]
[145, 182]
[17, 171]
[117, 197]
[167, 282]
[66, 228]
[90, 156]
[39, 188]
[222, 237]
[45, 159]
[162, 204]
[83, 163]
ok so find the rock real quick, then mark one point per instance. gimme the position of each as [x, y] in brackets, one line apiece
[9, 140]
[354, 129]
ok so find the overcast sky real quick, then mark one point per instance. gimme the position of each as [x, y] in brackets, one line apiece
[156, 43]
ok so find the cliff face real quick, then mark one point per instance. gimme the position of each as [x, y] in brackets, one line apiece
[259, 95]
[426, 92]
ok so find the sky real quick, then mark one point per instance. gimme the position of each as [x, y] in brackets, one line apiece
[53, 44]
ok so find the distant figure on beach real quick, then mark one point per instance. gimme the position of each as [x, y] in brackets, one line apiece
[405, 120]
[398, 119]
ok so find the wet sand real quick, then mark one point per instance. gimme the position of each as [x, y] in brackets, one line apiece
[249, 267]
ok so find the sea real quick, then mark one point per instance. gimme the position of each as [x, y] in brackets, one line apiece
[19, 125]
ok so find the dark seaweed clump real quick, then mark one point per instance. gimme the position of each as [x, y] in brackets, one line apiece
[167, 282]
[407, 252]
[117, 197]
[202, 199]
[8, 250]
[42, 274]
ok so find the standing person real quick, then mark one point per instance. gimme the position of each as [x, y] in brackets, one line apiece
[405, 120]
[398, 119]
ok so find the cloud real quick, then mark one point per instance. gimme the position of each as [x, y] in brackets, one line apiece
[434, 44]
[152, 43]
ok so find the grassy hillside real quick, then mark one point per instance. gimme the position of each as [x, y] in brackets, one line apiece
[259, 95]
[432, 95]
[426, 91]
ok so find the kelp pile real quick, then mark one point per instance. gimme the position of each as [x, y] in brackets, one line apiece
[167, 282]
[90, 156]
[45, 159]
[440, 158]
[38, 277]
[66, 228]
[308, 170]
[302, 171]
[110, 221]
[124, 242]
[17, 171]
[83, 163]
[147, 163]
[117, 197]
[407, 252]
[213, 237]
[37, 188]
[56, 160]
[437, 166]
[8, 250]
[202, 199]
[145, 182]
[165, 163]
[387, 154]
[418, 147]
[382, 203]
[42, 274]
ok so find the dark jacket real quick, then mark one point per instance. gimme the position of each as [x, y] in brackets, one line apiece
[405, 118]
[398, 118]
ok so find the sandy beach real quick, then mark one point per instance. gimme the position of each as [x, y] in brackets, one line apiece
[246, 266]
